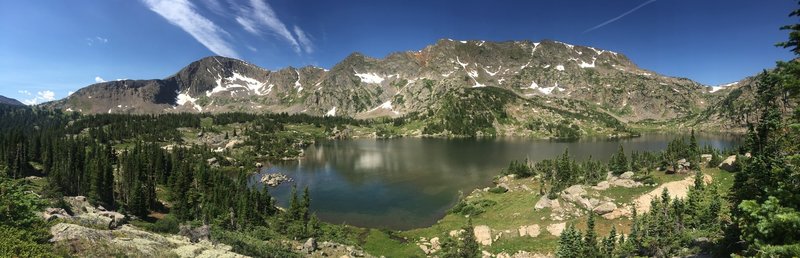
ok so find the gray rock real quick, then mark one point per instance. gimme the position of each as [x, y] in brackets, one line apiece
[195, 235]
[310, 245]
[604, 208]
[706, 157]
[728, 164]
[603, 185]
[627, 183]
[626, 175]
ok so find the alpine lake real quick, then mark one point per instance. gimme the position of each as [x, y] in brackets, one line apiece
[407, 183]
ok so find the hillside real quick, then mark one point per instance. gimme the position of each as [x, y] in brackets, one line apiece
[10, 101]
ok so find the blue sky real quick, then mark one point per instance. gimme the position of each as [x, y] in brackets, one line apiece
[49, 48]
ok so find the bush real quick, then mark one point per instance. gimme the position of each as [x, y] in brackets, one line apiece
[244, 243]
[169, 224]
[472, 208]
[498, 190]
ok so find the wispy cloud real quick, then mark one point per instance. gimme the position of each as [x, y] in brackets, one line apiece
[96, 39]
[26, 92]
[619, 17]
[259, 14]
[183, 14]
[99, 79]
[304, 40]
[41, 96]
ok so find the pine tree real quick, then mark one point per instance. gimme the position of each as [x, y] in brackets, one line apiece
[469, 245]
[590, 248]
[619, 162]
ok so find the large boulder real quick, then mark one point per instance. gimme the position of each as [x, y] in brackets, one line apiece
[575, 190]
[603, 185]
[50, 214]
[483, 234]
[604, 208]
[728, 164]
[556, 229]
[195, 234]
[545, 202]
[627, 183]
[626, 175]
[529, 230]
[310, 245]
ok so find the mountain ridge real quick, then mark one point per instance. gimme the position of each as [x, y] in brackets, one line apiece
[10, 101]
[408, 82]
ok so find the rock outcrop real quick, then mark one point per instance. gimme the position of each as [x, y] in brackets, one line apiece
[88, 242]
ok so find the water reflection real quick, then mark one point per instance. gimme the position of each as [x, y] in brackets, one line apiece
[407, 183]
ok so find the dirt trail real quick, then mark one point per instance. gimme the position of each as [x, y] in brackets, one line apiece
[677, 189]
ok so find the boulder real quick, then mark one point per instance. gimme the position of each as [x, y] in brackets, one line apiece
[505, 186]
[556, 229]
[529, 230]
[575, 190]
[627, 183]
[310, 245]
[425, 249]
[483, 234]
[435, 244]
[50, 214]
[706, 157]
[728, 164]
[604, 208]
[544, 202]
[626, 175]
[195, 234]
[603, 185]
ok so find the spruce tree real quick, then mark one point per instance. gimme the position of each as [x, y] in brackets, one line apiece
[619, 162]
[469, 247]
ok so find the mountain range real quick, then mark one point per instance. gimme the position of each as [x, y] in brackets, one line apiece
[540, 79]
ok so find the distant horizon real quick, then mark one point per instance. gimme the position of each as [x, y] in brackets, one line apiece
[56, 48]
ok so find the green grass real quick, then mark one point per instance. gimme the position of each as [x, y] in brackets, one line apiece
[381, 243]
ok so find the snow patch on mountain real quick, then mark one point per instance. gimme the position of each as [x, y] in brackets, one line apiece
[297, 83]
[719, 87]
[386, 105]
[331, 112]
[584, 64]
[184, 99]
[236, 81]
[370, 78]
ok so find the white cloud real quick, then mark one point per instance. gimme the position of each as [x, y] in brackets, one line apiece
[47, 95]
[41, 96]
[304, 40]
[260, 13]
[98, 79]
[24, 92]
[183, 14]
[70, 93]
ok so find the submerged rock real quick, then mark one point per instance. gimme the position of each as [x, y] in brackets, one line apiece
[275, 179]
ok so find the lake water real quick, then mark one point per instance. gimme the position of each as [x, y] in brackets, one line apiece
[411, 182]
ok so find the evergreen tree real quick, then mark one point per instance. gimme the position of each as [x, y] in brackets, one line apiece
[619, 162]
[590, 248]
[469, 247]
